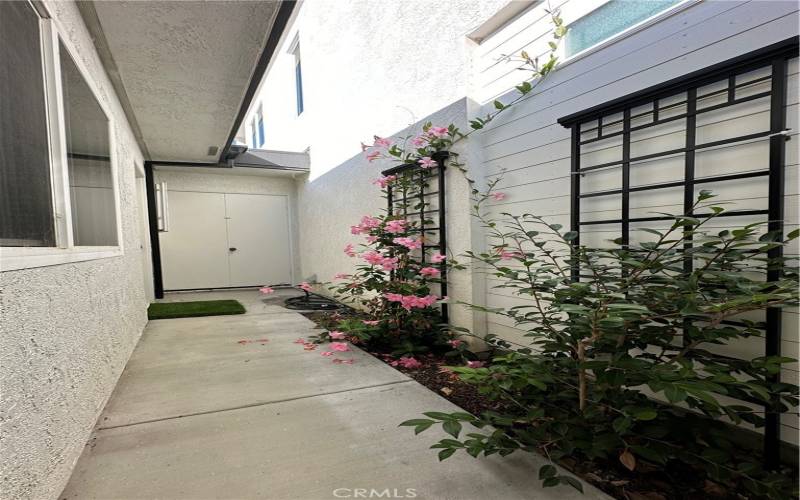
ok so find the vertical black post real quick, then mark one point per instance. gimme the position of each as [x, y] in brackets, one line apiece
[688, 189]
[626, 176]
[389, 200]
[777, 159]
[152, 216]
[575, 197]
[422, 211]
[442, 230]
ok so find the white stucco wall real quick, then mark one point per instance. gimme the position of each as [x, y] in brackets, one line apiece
[68, 330]
[238, 180]
[368, 68]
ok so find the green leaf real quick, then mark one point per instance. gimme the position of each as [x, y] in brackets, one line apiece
[415, 422]
[674, 394]
[547, 471]
[571, 481]
[446, 453]
[499, 105]
[438, 415]
[645, 414]
[452, 427]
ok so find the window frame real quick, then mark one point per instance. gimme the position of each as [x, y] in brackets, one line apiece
[52, 38]
[259, 119]
[571, 16]
[297, 69]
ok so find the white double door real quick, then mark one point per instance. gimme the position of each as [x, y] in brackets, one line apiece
[218, 240]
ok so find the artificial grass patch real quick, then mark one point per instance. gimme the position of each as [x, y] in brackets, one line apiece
[171, 310]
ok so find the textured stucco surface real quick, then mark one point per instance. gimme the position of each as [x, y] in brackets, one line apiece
[185, 67]
[67, 330]
[185, 179]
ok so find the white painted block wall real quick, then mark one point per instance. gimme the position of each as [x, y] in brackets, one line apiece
[534, 149]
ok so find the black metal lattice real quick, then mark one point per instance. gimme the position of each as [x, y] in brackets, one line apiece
[414, 199]
[758, 77]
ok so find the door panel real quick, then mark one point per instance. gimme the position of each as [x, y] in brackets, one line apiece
[258, 227]
[194, 252]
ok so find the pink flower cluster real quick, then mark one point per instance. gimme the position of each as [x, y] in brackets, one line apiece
[336, 335]
[427, 162]
[429, 271]
[376, 153]
[396, 226]
[499, 196]
[349, 251]
[409, 302]
[378, 259]
[409, 243]
[385, 181]
[438, 132]
[367, 224]
[407, 362]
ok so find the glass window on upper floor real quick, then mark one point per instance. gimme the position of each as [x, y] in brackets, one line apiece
[611, 18]
[260, 118]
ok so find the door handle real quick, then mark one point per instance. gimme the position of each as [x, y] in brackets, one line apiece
[232, 249]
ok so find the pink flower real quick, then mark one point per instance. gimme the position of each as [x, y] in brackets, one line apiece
[427, 162]
[389, 263]
[368, 222]
[475, 364]
[438, 132]
[407, 362]
[409, 302]
[499, 196]
[396, 226]
[339, 346]
[356, 229]
[508, 254]
[342, 276]
[336, 335]
[373, 257]
[437, 258]
[393, 297]
[300, 341]
[429, 271]
[373, 156]
[409, 243]
[305, 286]
[327, 353]
[385, 181]
[455, 343]
[370, 322]
[348, 250]
[419, 141]
[266, 290]
[371, 238]
[381, 142]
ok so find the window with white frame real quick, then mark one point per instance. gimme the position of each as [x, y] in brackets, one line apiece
[253, 133]
[58, 183]
[609, 19]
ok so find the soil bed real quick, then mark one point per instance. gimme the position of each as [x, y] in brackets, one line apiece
[648, 482]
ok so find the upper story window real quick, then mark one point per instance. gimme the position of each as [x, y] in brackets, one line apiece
[611, 18]
[260, 118]
[298, 74]
[58, 180]
[253, 133]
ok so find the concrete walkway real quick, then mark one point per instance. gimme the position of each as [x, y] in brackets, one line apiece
[198, 415]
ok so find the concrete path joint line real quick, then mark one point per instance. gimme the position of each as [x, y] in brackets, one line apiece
[251, 405]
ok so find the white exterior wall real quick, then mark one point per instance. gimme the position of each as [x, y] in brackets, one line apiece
[534, 149]
[368, 69]
[208, 180]
[68, 330]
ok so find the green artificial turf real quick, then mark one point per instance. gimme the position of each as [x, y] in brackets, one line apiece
[168, 310]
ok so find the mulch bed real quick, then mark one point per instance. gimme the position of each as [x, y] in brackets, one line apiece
[648, 482]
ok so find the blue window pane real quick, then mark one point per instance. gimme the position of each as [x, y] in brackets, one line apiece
[298, 79]
[260, 130]
[254, 137]
[612, 18]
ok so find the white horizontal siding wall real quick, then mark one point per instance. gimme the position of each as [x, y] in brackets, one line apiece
[534, 150]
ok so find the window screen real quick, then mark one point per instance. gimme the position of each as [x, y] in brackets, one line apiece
[613, 17]
[26, 213]
[91, 180]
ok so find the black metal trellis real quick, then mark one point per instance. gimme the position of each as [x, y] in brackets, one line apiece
[690, 88]
[431, 221]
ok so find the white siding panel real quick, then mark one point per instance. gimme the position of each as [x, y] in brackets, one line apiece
[531, 150]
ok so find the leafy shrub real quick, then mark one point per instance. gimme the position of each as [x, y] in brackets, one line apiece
[621, 364]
